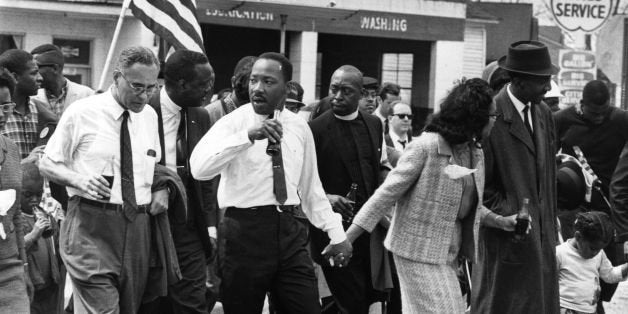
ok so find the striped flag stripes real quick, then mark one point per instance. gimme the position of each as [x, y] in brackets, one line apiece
[173, 20]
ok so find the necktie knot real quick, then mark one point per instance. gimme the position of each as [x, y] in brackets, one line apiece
[125, 114]
[403, 143]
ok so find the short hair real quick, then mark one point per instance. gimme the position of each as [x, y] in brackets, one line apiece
[463, 113]
[136, 54]
[30, 171]
[242, 74]
[595, 93]
[594, 226]
[389, 88]
[391, 108]
[7, 80]
[56, 55]
[286, 66]
[352, 69]
[15, 60]
[180, 65]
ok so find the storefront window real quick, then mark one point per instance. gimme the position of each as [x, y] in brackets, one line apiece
[397, 68]
[10, 41]
[77, 55]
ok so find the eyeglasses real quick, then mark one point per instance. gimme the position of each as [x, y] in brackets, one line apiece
[492, 116]
[404, 115]
[8, 107]
[43, 65]
[139, 88]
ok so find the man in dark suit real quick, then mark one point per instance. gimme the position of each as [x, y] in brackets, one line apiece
[349, 149]
[520, 276]
[189, 78]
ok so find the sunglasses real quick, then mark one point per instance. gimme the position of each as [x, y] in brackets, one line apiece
[8, 107]
[404, 115]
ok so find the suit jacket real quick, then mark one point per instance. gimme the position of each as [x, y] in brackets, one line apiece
[333, 169]
[519, 166]
[201, 209]
[74, 92]
[427, 202]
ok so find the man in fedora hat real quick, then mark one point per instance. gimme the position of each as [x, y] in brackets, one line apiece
[520, 276]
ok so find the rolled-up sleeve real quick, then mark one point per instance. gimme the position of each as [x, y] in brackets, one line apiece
[314, 202]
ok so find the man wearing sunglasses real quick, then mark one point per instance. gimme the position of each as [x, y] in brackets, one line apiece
[105, 239]
[57, 91]
[400, 121]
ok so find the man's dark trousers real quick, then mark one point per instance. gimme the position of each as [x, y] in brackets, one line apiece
[263, 250]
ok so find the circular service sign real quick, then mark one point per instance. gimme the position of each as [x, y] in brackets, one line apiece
[585, 15]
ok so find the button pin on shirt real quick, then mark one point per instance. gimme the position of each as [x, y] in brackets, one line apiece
[151, 153]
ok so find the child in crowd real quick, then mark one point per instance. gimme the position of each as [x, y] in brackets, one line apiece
[582, 263]
[45, 267]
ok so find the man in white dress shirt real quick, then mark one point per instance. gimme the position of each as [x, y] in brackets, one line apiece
[267, 162]
[105, 239]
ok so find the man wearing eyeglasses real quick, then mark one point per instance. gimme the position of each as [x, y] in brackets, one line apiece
[104, 241]
[57, 91]
[400, 120]
[350, 149]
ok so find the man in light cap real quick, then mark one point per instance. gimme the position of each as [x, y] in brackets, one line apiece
[368, 102]
[520, 276]
[57, 91]
[294, 101]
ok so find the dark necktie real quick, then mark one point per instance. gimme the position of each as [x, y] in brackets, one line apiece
[403, 143]
[126, 168]
[526, 120]
[182, 148]
[279, 177]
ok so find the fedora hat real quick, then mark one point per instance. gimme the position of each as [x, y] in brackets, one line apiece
[528, 57]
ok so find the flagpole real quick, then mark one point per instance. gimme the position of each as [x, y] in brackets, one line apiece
[114, 41]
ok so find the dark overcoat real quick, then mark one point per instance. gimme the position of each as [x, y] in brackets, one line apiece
[519, 277]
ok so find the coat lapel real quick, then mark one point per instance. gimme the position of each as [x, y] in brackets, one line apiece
[517, 129]
[539, 137]
[376, 146]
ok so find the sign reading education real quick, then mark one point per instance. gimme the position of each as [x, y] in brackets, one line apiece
[584, 15]
[577, 68]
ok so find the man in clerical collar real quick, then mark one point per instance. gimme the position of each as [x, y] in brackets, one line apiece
[350, 151]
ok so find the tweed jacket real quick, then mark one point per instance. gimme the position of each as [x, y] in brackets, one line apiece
[427, 201]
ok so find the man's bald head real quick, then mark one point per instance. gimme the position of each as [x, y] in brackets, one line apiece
[346, 90]
[350, 70]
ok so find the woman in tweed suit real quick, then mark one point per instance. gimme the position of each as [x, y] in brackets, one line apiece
[437, 187]
[13, 296]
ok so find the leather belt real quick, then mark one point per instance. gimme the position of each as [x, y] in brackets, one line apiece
[142, 209]
[290, 209]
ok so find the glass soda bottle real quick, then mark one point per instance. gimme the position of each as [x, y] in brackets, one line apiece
[523, 220]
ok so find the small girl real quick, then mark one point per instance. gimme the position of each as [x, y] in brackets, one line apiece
[581, 264]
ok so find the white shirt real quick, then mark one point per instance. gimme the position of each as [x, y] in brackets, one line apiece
[171, 116]
[380, 116]
[246, 170]
[520, 106]
[395, 139]
[579, 278]
[87, 140]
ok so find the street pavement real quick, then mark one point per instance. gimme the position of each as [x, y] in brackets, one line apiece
[618, 305]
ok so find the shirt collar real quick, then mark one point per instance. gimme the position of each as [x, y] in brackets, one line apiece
[116, 108]
[396, 138]
[170, 107]
[515, 101]
[349, 117]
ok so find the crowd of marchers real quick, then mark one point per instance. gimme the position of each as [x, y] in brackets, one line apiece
[152, 196]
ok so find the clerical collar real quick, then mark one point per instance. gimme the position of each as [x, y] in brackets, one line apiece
[349, 117]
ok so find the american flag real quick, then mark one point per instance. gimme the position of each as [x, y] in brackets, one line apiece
[173, 20]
